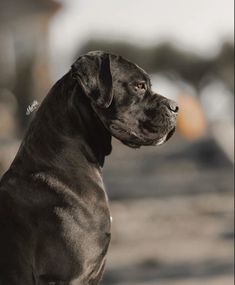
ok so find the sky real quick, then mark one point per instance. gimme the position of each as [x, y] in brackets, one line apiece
[196, 25]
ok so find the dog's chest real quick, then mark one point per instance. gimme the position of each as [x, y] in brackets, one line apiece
[85, 233]
[79, 232]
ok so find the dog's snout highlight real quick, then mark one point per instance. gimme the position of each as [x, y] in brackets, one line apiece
[172, 106]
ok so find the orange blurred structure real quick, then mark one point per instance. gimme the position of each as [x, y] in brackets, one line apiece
[191, 122]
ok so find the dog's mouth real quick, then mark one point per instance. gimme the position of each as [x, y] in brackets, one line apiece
[170, 134]
[134, 140]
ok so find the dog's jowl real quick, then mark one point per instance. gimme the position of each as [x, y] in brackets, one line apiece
[54, 213]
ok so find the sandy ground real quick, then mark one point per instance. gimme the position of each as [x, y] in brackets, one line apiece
[180, 240]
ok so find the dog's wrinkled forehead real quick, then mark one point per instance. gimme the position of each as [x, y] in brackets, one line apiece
[126, 70]
[119, 67]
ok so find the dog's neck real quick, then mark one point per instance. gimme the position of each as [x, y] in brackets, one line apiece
[65, 131]
[89, 125]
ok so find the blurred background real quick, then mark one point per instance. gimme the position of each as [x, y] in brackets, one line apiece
[172, 205]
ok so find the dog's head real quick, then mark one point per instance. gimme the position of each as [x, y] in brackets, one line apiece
[120, 94]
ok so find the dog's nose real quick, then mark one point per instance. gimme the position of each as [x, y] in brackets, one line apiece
[172, 105]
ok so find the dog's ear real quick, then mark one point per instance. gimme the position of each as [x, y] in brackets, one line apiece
[93, 72]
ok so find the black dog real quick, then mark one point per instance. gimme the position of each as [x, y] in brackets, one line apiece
[54, 214]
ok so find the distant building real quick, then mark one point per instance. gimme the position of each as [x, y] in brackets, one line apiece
[24, 50]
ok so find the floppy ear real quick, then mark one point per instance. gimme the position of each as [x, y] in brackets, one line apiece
[93, 72]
